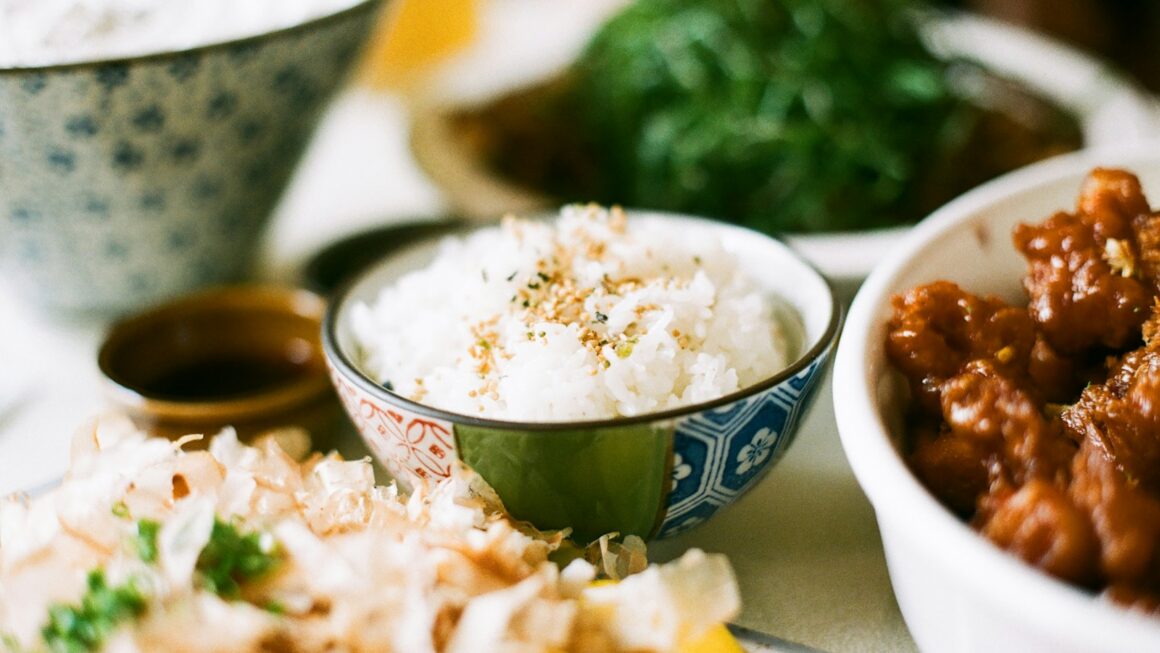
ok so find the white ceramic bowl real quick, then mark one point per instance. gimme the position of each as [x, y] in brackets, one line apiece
[1110, 108]
[956, 590]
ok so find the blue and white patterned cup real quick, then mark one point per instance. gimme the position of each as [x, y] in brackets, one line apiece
[123, 182]
[652, 475]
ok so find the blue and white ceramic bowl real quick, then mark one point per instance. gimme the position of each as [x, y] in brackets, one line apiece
[652, 475]
[126, 181]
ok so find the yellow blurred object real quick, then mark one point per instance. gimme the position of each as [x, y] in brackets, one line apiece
[416, 34]
[717, 640]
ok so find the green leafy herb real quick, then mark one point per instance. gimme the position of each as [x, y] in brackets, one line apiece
[146, 541]
[274, 607]
[795, 114]
[232, 558]
[784, 115]
[86, 626]
[120, 510]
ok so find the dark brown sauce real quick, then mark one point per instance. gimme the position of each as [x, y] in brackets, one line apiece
[224, 378]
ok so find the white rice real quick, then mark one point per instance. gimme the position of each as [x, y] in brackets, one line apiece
[588, 317]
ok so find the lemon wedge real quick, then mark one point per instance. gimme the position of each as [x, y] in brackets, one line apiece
[717, 640]
[416, 34]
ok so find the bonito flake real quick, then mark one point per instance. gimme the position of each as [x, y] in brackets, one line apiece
[148, 547]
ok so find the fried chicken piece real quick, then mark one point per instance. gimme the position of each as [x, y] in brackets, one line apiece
[1147, 228]
[955, 470]
[1126, 519]
[983, 404]
[1085, 284]
[938, 328]
[1121, 371]
[1040, 524]
[1152, 325]
[1109, 200]
[1055, 377]
[993, 433]
[1121, 418]
[1144, 600]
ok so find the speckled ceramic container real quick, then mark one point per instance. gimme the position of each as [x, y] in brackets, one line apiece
[652, 475]
[127, 181]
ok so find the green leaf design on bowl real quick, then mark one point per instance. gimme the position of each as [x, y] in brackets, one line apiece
[594, 480]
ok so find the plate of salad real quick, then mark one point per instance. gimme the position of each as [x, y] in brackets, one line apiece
[834, 125]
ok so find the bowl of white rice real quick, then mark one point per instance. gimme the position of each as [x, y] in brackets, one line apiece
[602, 369]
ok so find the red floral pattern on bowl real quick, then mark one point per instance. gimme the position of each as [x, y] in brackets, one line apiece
[413, 448]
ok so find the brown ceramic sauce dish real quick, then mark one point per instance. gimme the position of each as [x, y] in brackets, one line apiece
[245, 356]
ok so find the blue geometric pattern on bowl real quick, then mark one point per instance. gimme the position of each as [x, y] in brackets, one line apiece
[718, 454]
[127, 181]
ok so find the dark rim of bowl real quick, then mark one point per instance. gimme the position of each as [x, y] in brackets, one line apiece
[360, 6]
[344, 365]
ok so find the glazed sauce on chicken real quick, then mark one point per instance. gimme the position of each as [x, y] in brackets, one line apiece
[1040, 424]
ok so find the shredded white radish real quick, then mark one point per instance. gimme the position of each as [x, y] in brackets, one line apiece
[354, 566]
